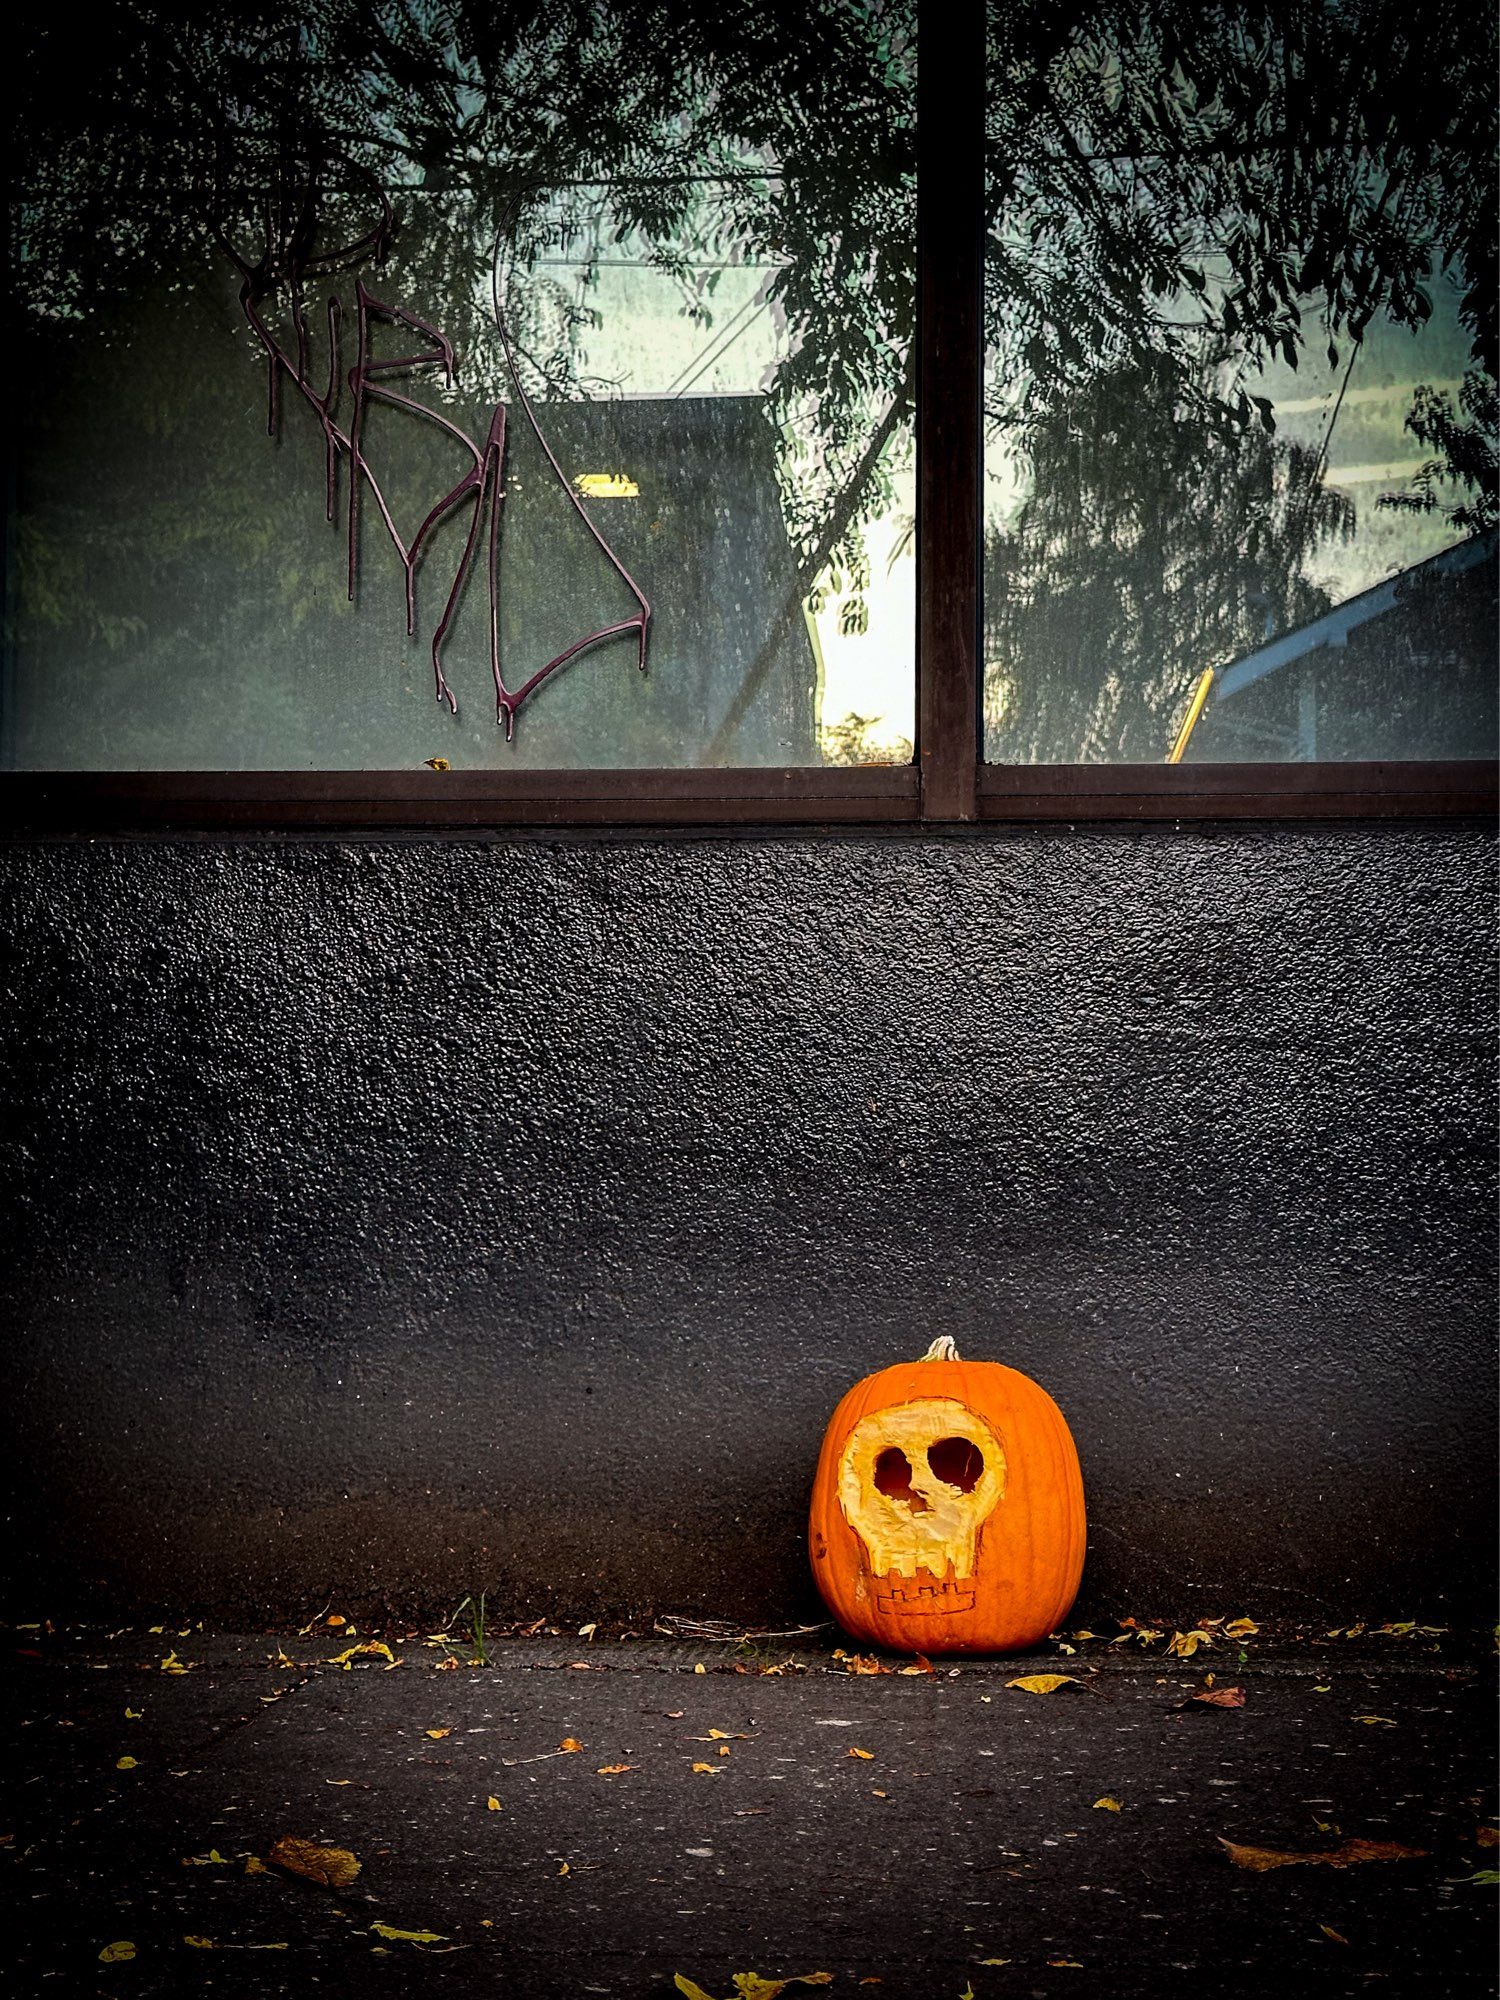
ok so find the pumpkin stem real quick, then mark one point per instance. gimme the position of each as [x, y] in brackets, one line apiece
[942, 1349]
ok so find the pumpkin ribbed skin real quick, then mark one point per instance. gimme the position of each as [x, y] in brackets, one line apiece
[1010, 1558]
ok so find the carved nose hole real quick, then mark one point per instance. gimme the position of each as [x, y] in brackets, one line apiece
[893, 1478]
[957, 1462]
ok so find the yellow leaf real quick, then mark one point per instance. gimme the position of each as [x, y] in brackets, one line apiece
[1241, 1628]
[265, 1947]
[1259, 1859]
[1325, 1688]
[134, 1714]
[333, 1867]
[335, 1619]
[1004, 1961]
[437, 763]
[1185, 1644]
[1107, 1805]
[711, 1769]
[390, 1932]
[172, 1665]
[377, 1648]
[563, 1868]
[156, 1628]
[613, 1770]
[126, 1764]
[1075, 1963]
[200, 1943]
[213, 1859]
[1329, 1932]
[725, 1736]
[855, 1751]
[690, 1987]
[117, 1953]
[255, 1866]
[570, 1744]
[492, 1804]
[1044, 1683]
[437, 1735]
[700, 1668]
[1382, 1721]
[754, 1986]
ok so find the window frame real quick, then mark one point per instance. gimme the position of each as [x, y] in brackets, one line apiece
[948, 785]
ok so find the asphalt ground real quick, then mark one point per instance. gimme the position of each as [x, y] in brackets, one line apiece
[737, 1810]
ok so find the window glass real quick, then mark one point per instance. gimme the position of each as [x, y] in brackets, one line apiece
[491, 388]
[1240, 491]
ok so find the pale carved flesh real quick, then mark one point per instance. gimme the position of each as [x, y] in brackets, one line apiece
[916, 1484]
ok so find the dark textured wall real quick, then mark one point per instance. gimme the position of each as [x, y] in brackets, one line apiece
[395, 1218]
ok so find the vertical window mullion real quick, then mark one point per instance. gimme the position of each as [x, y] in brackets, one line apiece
[950, 355]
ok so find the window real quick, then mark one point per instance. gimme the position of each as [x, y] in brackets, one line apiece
[440, 418]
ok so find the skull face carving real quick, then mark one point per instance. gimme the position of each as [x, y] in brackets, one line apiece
[916, 1483]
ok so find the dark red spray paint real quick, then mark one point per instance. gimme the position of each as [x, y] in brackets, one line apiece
[289, 266]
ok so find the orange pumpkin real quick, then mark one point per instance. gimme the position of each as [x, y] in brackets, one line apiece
[947, 1510]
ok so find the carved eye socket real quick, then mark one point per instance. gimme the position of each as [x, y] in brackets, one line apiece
[957, 1462]
[893, 1478]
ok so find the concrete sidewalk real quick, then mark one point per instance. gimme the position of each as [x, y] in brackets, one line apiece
[918, 1837]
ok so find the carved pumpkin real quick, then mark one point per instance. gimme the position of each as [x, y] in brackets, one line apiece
[947, 1510]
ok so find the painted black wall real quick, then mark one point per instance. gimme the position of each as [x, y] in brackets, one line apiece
[395, 1218]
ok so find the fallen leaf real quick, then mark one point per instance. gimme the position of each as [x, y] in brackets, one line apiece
[1185, 1644]
[724, 1736]
[213, 1859]
[690, 1987]
[1241, 1628]
[1075, 1963]
[377, 1647]
[117, 1953]
[1107, 1805]
[710, 1768]
[724, 1750]
[1487, 1836]
[172, 1665]
[570, 1744]
[390, 1932]
[1329, 1932]
[1348, 1856]
[200, 1943]
[1325, 1688]
[1486, 1877]
[563, 1868]
[1217, 1698]
[752, 1986]
[862, 1663]
[613, 1770]
[588, 1631]
[255, 1866]
[1378, 1721]
[920, 1664]
[1004, 1961]
[126, 1764]
[437, 1735]
[134, 1714]
[854, 1751]
[335, 1619]
[333, 1867]
[437, 763]
[1044, 1683]
[492, 1804]
[700, 1668]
